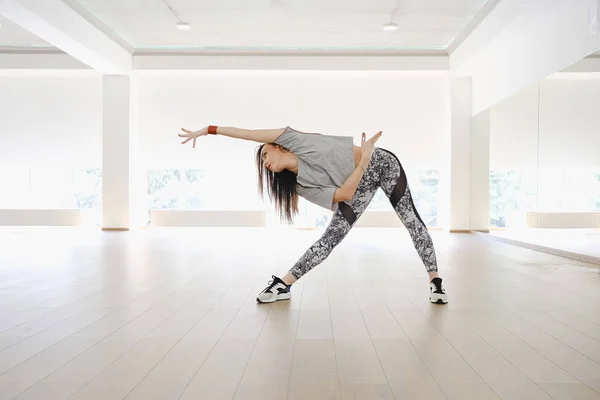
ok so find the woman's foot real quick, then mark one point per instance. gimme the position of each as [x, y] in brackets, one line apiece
[437, 293]
[277, 290]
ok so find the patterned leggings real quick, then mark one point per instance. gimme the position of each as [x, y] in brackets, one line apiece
[384, 171]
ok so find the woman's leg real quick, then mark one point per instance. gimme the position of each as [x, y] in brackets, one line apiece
[395, 185]
[405, 209]
[342, 221]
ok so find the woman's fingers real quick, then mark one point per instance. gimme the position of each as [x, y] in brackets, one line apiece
[186, 134]
[376, 137]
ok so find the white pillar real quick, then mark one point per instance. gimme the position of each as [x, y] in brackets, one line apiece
[480, 171]
[115, 152]
[137, 175]
[469, 161]
[460, 166]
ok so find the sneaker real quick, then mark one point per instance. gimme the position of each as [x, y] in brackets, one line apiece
[277, 290]
[437, 293]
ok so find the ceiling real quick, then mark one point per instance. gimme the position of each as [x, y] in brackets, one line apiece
[272, 25]
[12, 35]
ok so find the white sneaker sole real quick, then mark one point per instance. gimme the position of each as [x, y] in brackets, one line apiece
[438, 298]
[273, 299]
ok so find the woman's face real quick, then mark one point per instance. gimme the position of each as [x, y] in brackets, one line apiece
[271, 156]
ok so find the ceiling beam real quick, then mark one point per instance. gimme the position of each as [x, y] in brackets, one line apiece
[522, 42]
[59, 25]
[587, 65]
[10, 60]
[291, 62]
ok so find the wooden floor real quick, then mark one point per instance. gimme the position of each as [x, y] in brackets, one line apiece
[171, 314]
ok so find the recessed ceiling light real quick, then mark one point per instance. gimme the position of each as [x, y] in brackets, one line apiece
[183, 26]
[390, 27]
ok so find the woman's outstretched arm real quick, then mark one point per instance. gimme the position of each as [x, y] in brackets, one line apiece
[255, 135]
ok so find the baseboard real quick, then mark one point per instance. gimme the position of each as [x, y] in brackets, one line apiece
[41, 217]
[469, 230]
[543, 249]
[115, 229]
[565, 220]
[207, 218]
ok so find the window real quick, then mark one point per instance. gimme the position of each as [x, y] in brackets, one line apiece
[514, 193]
[202, 189]
[88, 188]
[569, 190]
[54, 188]
[176, 189]
[311, 215]
[425, 191]
[505, 196]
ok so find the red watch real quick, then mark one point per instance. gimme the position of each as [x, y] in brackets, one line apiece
[212, 129]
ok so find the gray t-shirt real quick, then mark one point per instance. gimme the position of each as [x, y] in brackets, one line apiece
[324, 163]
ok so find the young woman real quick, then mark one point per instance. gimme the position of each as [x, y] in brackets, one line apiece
[332, 173]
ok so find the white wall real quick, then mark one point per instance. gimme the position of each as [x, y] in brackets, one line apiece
[412, 111]
[514, 131]
[50, 120]
[570, 122]
[550, 134]
[57, 120]
[50, 125]
[561, 130]
[521, 42]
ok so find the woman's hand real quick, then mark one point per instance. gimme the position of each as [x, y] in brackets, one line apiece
[368, 146]
[193, 135]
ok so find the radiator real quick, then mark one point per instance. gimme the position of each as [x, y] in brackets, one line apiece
[214, 218]
[33, 217]
[582, 220]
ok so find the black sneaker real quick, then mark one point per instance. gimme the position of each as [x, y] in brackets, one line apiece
[277, 290]
[437, 293]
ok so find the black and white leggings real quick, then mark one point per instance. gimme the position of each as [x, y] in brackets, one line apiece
[384, 171]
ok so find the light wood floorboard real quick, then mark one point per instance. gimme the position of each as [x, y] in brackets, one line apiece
[167, 314]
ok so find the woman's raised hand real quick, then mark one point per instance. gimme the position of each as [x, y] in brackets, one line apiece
[368, 146]
[193, 135]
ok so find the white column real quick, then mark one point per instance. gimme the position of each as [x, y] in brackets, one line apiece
[115, 152]
[480, 172]
[469, 161]
[137, 178]
[460, 166]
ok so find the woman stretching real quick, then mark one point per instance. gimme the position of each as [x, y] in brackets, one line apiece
[333, 173]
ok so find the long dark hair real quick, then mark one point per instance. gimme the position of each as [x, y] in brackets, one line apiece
[280, 186]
